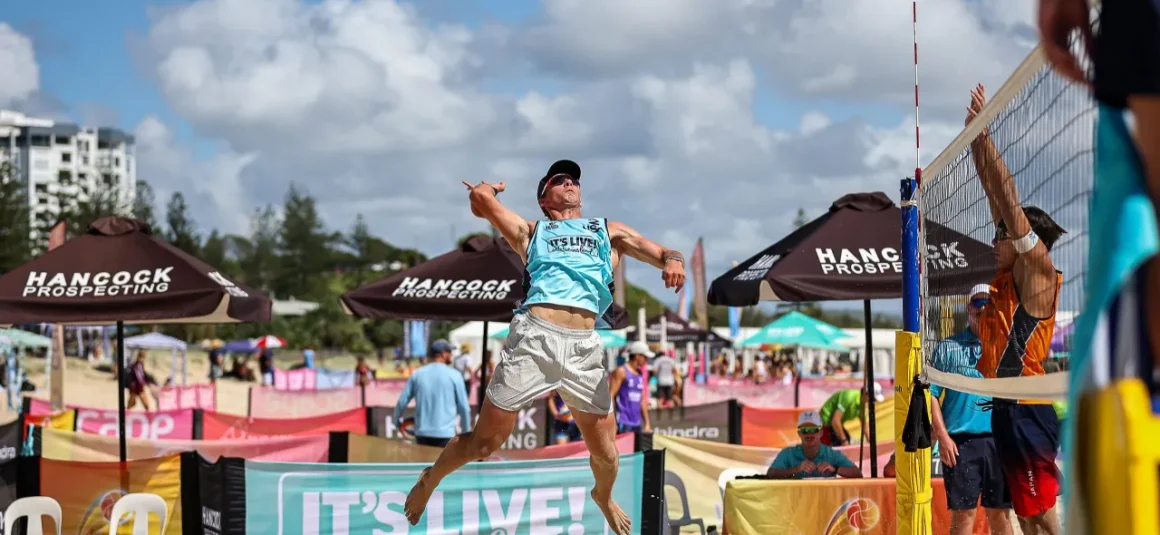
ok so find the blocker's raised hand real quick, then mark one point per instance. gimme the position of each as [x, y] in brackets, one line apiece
[497, 188]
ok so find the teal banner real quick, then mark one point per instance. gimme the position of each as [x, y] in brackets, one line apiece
[548, 497]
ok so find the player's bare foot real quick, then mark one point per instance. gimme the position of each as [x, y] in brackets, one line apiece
[617, 520]
[417, 499]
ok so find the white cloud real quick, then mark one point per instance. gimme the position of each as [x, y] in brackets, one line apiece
[375, 110]
[21, 73]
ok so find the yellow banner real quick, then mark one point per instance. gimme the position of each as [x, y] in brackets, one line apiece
[365, 449]
[701, 468]
[823, 507]
[87, 491]
[65, 420]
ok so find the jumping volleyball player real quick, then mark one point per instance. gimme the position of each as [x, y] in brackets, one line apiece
[552, 344]
[1015, 330]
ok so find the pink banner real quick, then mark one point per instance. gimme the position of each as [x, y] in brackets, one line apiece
[270, 403]
[66, 446]
[384, 392]
[300, 379]
[203, 396]
[625, 443]
[152, 425]
[813, 392]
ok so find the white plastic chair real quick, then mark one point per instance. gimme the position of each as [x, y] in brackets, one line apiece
[727, 475]
[139, 504]
[33, 508]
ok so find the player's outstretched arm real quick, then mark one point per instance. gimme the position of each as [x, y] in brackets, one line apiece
[629, 242]
[999, 185]
[484, 204]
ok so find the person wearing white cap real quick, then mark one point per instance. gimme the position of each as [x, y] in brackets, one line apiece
[972, 469]
[843, 407]
[811, 458]
[628, 391]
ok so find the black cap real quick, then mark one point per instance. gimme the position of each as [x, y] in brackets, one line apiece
[562, 167]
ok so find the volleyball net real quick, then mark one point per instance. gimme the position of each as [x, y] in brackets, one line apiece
[1043, 128]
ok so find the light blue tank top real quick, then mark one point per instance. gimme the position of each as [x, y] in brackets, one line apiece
[570, 264]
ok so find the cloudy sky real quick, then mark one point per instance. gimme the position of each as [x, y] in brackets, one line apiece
[691, 118]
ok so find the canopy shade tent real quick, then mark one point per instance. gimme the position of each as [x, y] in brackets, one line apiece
[25, 339]
[160, 341]
[799, 330]
[853, 252]
[119, 272]
[677, 330]
[610, 339]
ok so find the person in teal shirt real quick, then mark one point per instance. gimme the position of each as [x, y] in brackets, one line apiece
[844, 406]
[811, 458]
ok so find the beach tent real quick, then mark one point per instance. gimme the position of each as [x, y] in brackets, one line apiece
[24, 339]
[160, 341]
[799, 330]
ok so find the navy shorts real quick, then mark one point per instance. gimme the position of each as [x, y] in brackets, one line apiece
[567, 430]
[621, 428]
[1127, 51]
[1027, 439]
[977, 476]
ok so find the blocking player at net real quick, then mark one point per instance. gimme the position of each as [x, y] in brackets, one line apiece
[1126, 57]
[1015, 330]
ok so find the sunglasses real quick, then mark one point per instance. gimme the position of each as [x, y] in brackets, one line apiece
[561, 179]
[809, 430]
[1000, 234]
[980, 302]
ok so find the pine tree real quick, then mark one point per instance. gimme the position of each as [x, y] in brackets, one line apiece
[800, 220]
[15, 226]
[303, 244]
[180, 230]
[144, 203]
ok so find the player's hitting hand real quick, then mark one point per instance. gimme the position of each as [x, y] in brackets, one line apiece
[978, 100]
[496, 187]
[674, 274]
[1057, 20]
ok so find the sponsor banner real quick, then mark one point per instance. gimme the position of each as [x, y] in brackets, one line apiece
[218, 505]
[777, 428]
[420, 288]
[171, 424]
[840, 507]
[66, 446]
[203, 396]
[328, 378]
[705, 422]
[152, 425]
[10, 442]
[270, 403]
[816, 390]
[625, 444]
[65, 420]
[300, 379]
[480, 498]
[529, 432]
[812, 392]
[220, 426]
[368, 449]
[703, 467]
[98, 284]
[86, 492]
[313, 379]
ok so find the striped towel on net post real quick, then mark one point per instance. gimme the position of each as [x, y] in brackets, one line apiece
[1111, 350]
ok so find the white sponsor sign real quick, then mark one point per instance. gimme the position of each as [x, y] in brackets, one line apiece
[97, 284]
[871, 261]
[758, 269]
[525, 436]
[454, 289]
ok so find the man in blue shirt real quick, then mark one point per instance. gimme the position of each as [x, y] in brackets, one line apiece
[811, 458]
[439, 395]
[971, 469]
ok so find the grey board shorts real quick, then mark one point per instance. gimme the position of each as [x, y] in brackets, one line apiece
[540, 357]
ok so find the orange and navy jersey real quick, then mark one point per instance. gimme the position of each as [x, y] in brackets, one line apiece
[1015, 343]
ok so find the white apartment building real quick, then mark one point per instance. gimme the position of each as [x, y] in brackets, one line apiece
[57, 158]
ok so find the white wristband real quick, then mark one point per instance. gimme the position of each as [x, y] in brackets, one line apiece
[1025, 244]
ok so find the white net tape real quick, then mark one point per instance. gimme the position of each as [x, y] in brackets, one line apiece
[1043, 128]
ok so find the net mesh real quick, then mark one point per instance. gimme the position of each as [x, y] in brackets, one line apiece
[1043, 128]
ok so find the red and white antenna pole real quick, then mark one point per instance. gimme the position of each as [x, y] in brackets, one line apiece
[917, 137]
